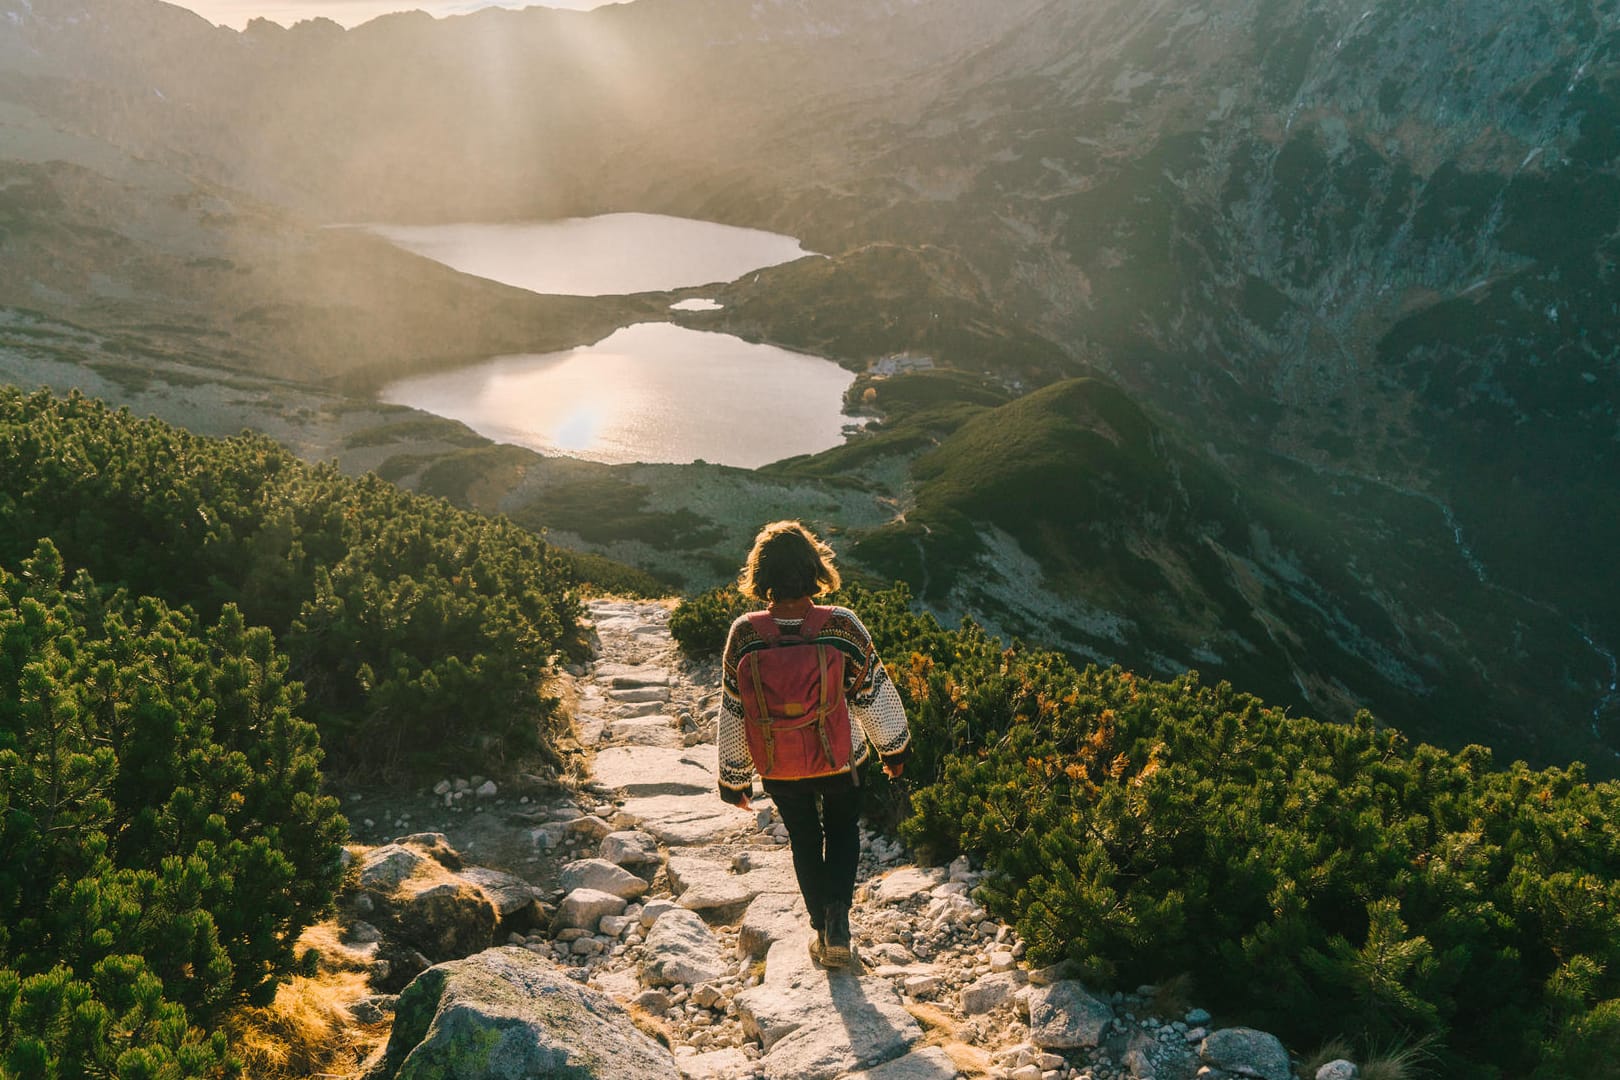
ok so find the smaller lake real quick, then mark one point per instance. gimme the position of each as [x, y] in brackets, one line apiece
[651, 392]
[607, 255]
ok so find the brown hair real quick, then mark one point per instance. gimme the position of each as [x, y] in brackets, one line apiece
[787, 562]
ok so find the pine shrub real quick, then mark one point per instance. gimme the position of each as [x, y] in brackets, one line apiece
[1314, 877]
[163, 839]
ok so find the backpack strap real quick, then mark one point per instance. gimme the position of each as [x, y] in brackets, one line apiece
[765, 626]
[814, 620]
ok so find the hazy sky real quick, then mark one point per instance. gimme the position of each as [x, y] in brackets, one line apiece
[236, 13]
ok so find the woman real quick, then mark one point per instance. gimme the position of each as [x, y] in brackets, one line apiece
[814, 781]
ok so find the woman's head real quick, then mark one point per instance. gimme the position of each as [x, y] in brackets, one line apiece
[787, 562]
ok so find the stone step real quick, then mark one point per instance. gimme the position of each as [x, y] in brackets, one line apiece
[816, 1024]
[685, 820]
[658, 770]
[627, 676]
[654, 730]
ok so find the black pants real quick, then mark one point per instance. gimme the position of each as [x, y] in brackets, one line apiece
[823, 819]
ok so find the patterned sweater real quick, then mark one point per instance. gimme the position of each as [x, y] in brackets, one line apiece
[874, 703]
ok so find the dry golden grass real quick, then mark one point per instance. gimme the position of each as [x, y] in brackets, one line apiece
[308, 1030]
[654, 1027]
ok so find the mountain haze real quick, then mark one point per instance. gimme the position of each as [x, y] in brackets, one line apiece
[1316, 300]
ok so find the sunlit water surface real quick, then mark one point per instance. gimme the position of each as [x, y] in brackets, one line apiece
[648, 392]
[607, 255]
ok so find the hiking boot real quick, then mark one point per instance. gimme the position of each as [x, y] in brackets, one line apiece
[818, 947]
[835, 949]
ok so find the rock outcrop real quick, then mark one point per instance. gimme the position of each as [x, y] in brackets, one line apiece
[506, 1013]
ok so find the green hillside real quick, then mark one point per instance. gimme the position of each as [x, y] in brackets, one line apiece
[1070, 517]
[420, 632]
[1314, 877]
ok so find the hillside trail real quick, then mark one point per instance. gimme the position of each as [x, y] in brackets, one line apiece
[938, 989]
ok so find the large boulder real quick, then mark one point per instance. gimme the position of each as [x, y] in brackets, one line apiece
[770, 918]
[681, 949]
[1063, 1016]
[603, 876]
[424, 898]
[507, 1014]
[1246, 1052]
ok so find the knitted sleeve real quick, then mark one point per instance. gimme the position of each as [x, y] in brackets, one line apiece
[874, 703]
[736, 767]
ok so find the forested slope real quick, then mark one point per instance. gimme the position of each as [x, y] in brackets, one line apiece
[185, 624]
[416, 628]
[1318, 877]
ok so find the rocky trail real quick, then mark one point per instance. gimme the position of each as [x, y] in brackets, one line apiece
[683, 912]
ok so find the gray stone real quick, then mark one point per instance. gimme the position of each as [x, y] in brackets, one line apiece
[681, 949]
[507, 1013]
[656, 770]
[988, 992]
[931, 1063]
[385, 867]
[921, 986]
[512, 896]
[770, 918]
[725, 1064]
[1339, 1069]
[583, 908]
[631, 848]
[640, 693]
[374, 1008]
[706, 885]
[653, 909]
[628, 676]
[1063, 1016]
[603, 876]
[654, 730]
[816, 1025]
[904, 884]
[439, 913]
[680, 820]
[1246, 1052]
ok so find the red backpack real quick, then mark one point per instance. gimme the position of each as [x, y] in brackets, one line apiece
[794, 713]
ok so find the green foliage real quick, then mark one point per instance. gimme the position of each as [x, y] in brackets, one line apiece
[163, 839]
[418, 630]
[700, 624]
[1317, 877]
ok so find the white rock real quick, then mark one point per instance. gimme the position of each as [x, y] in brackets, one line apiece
[921, 986]
[583, 908]
[771, 917]
[603, 876]
[653, 909]
[681, 949]
[986, 993]
[903, 885]
[1246, 1052]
